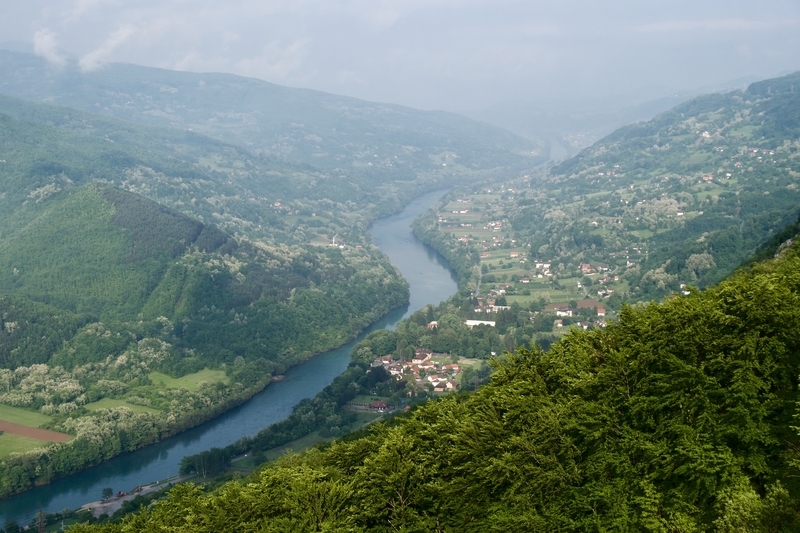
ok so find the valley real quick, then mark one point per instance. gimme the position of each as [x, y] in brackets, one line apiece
[172, 243]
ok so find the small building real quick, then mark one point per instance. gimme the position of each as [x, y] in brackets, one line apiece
[421, 356]
[472, 323]
[378, 406]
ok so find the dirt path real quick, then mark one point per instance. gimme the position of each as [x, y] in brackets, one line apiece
[34, 433]
[112, 505]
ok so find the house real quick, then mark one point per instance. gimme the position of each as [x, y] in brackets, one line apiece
[378, 406]
[421, 356]
[433, 324]
[601, 311]
[386, 360]
[396, 370]
[472, 323]
[513, 255]
[525, 280]
[564, 311]
[558, 323]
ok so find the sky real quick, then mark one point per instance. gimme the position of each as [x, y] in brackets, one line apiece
[455, 55]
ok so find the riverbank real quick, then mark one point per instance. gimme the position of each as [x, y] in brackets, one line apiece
[430, 281]
[111, 505]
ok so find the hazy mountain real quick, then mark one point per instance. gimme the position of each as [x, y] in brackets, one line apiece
[577, 124]
[682, 198]
[298, 125]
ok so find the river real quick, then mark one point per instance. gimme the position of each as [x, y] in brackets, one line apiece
[430, 281]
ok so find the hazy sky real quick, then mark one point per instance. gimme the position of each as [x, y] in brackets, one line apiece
[445, 54]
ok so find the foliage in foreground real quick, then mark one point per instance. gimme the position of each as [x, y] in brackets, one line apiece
[677, 418]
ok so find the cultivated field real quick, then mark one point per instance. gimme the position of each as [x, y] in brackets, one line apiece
[20, 432]
[10, 443]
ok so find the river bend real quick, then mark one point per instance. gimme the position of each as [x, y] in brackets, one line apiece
[430, 281]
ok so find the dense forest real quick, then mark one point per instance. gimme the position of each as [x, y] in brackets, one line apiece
[677, 417]
[125, 322]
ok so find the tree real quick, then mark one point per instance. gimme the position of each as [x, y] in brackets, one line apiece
[107, 493]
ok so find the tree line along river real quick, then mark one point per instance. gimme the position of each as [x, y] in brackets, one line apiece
[430, 282]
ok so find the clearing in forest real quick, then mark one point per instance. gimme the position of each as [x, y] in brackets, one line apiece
[189, 382]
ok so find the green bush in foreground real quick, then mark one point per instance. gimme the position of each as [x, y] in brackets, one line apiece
[677, 418]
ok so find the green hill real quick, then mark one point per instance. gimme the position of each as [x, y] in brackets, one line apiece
[679, 417]
[102, 252]
[682, 198]
[45, 147]
[101, 289]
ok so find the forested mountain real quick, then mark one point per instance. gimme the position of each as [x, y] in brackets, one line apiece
[683, 198]
[48, 147]
[303, 126]
[123, 322]
[679, 417]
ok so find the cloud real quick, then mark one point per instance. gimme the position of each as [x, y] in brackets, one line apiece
[276, 61]
[733, 24]
[44, 45]
[97, 57]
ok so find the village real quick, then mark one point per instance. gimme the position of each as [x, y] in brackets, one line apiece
[427, 370]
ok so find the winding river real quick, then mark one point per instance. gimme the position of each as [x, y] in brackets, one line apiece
[430, 281]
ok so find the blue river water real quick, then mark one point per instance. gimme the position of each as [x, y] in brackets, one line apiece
[430, 281]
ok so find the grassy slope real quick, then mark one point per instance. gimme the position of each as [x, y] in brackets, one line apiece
[189, 381]
[23, 416]
[17, 444]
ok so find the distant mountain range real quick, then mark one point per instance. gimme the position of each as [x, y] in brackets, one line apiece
[297, 125]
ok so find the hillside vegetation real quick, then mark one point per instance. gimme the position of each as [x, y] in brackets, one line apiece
[656, 207]
[679, 417]
[101, 290]
[295, 125]
[684, 197]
